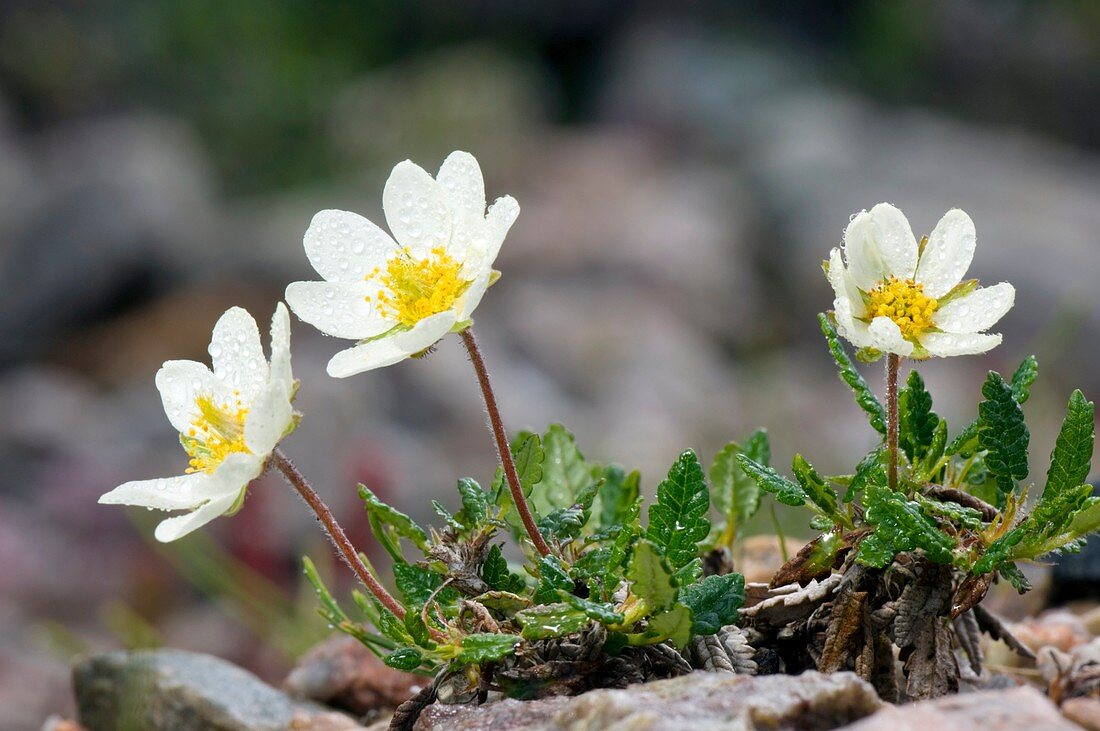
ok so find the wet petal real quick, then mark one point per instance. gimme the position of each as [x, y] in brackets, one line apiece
[268, 419]
[339, 309]
[886, 336]
[948, 344]
[416, 209]
[180, 383]
[865, 264]
[236, 352]
[894, 240]
[948, 254]
[462, 183]
[391, 349]
[977, 311]
[345, 247]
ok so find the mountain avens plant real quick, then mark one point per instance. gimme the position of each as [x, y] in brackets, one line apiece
[553, 579]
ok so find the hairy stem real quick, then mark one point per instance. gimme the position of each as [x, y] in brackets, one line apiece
[335, 533]
[496, 427]
[893, 361]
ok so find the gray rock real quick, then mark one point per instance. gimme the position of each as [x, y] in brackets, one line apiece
[1006, 710]
[700, 701]
[175, 690]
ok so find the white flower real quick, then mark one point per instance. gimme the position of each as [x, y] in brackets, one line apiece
[398, 298]
[229, 422]
[896, 296]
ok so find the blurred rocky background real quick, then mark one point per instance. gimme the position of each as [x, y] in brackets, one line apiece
[683, 169]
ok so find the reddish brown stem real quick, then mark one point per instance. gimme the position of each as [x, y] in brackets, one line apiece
[336, 534]
[496, 426]
[893, 361]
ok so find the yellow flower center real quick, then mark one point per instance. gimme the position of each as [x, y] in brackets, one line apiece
[215, 433]
[904, 302]
[417, 288]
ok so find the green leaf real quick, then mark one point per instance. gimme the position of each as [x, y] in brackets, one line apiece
[389, 525]
[529, 456]
[1022, 379]
[870, 470]
[966, 441]
[848, 373]
[551, 620]
[735, 495]
[714, 602]
[899, 526]
[678, 520]
[418, 631]
[389, 625]
[553, 577]
[816, 489]
[1003, 434]
[416, 585]
[564, 472]
[475, 504]
[649, 576]
[1071, 459]
[478, 649]
[617, 494]
[495, 573]
[916, 421]
[771, 481]
[952, 512]
[673, 625]
[566, 523]
[406, 659]
[602, 612]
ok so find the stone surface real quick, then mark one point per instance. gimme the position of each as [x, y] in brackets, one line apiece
[1007, 710]
[173, 690]
[700, 701]
[341, 672]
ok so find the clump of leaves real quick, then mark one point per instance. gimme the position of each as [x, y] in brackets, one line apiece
[917, 559]
[614, 595]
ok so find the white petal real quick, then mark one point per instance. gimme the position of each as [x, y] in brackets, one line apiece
[894, 240]
[416, 209]
[473, 295]
[180, 383]
[948, 254]
[886, 336]
[391, 349]
[865, 264]
[268, 418]
[462, 182]
[280, 347]
[977, 311]
[853, 330]
[236, 352]
[502, 214]
[947, 344]
[179, 526]
[166, 493]
[340, 309]
[843, 286]
[345, 247]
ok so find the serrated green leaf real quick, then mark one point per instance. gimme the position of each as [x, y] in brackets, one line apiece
[617, 494]
[936, 449]
[1071, 459]
[650, 577]
[771, 481]
[553, 577]
[735, 495]
[389, 525]
[529, 456]
[678, 520]
[964, 442]
[495, 573]
[1014, 576]
[848, 373]
[689, 573]
[602, 612]
[916, 421]
[564, 472]
[952, 512]
[445, 514]
[816, 489]
[475, 505]
[1003, 434]
[566, 523]
[504, 602]
[673, 625]
[478, 649]
[714, 602]
[406, 659]
[389, 625]
[1022, 379]
[870, 470]
[551, 620]
[416, 585]
[418, 631]
[899, 526]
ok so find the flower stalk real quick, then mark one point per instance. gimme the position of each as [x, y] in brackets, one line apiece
[496, 427]
[344, 547]
[893, 361]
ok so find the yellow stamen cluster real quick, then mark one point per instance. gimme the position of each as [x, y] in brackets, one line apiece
[215, 433]
[904, 302]
[413, 289]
